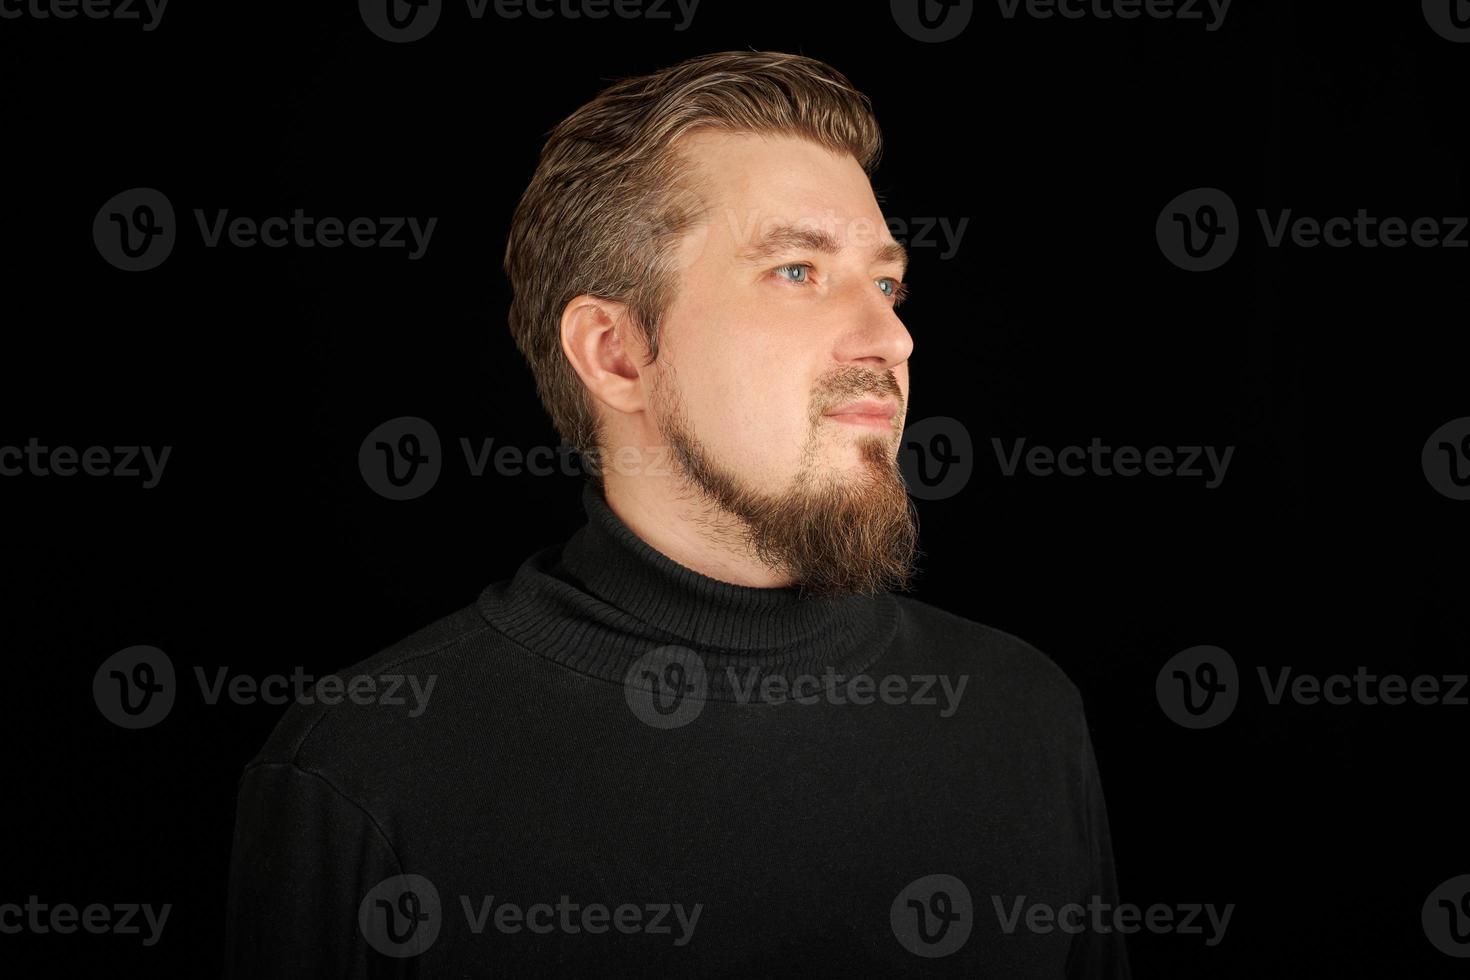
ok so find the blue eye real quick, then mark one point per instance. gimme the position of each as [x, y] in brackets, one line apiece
[896, 290]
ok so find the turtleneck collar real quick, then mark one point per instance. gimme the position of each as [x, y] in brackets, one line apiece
[605, 598]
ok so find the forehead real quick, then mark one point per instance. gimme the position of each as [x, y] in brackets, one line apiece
[757, 180]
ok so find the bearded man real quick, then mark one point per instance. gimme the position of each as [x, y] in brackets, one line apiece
[708, 733]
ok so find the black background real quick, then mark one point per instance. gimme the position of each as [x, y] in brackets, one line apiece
[1059, 319]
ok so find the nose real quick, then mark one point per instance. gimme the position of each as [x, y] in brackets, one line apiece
[874, 335]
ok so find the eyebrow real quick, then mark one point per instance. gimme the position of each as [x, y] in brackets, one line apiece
[788, 238]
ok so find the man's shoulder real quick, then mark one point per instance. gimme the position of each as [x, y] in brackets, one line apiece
[1002, 662]
[379, 699]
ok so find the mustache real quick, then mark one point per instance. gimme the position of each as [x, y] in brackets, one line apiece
[851, 383]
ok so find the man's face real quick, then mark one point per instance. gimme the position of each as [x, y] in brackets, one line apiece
[784, 316]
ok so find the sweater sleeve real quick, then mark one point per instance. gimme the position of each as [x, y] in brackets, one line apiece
[1097, 955]
[303, 858]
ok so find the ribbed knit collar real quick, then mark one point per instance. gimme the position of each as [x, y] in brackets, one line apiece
[605, 598]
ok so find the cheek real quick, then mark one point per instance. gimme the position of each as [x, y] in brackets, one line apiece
[752, 413]
[741, 376]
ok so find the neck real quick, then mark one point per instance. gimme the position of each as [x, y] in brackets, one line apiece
[606, 598]
[692, 530]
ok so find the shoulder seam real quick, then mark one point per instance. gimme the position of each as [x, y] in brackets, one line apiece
[373, 821]
[302, 739]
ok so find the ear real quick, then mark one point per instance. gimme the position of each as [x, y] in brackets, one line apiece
[600, 342]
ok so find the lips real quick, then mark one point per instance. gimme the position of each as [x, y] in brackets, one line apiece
[876, 408]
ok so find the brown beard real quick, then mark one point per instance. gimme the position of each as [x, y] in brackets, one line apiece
[833, 536]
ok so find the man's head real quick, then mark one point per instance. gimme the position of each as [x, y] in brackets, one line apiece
[701, 269]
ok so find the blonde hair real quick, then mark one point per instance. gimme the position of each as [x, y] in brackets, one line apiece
[611, 197]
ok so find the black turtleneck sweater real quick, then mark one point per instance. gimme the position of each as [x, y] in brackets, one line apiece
[611, 764]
